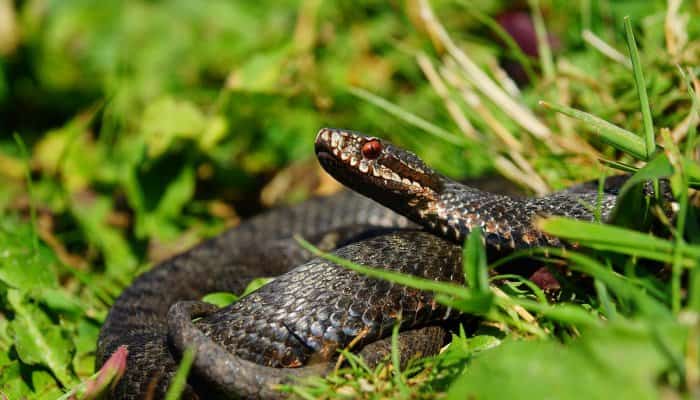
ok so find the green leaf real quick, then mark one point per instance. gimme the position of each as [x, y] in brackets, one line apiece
[601, 362]
[481, 343]
[223, 299]
[256, 284]
[92, 216]
[658, 167]
[61, 302]
[21, 266]
[220, 299]
[158, 191]
[85, 338]
[641, 90]
[12, 383]
[562, 313]
[38, 341]
[167, 119]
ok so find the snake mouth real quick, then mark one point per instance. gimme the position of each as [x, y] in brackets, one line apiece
[324, 155]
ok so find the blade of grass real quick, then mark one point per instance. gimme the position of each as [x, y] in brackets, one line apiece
[619, 284]
[521, 115]
[609, 236]
[474, 258]
[641, 90]
[543, 49]
[395, 359]
[605, 301]
[539, 293]
[675, 159]
[604, 48]
[407, 117]
[446, 288]
[618, 165]
[563, 313]
[177, 384]
[441, 89]
[30, 190]
[460, 297]
[658, 167]
[617, 137]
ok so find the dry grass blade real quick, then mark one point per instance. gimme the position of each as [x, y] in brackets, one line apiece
[473, 100]
[604, 48]
[436, 82]
[508, 169]
[520, 114]
[675, 29]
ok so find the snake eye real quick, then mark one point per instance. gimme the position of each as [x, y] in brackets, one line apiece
[371, 149]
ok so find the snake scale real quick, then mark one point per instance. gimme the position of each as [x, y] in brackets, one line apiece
[401, 215]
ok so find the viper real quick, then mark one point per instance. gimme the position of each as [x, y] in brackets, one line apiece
[399, 215]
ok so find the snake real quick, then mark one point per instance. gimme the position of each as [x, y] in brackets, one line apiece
[397, 214]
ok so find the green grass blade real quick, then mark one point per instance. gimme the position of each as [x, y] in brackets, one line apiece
[446, 288]
[657, 167]
[543, 48]
[605, 301]
[694, 290]
[618, 165]
[474, 257]
[177, 384]
[37, 342]
[539, 293]
[664, 257]
[641, 91]
[407, 117]
[450, 294]
[618, 284]
[396, 357]
[617, 137]
[614, 238]
[30, 191]
[563, 313]
[592, 232]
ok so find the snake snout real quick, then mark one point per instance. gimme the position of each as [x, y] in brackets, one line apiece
[322, 142]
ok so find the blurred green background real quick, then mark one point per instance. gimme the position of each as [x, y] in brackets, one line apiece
[149, 125]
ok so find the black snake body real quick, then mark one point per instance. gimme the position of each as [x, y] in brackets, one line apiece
[315, 307]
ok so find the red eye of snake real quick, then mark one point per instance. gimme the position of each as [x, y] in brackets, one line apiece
[371, 149]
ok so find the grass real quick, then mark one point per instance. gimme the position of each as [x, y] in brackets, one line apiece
[132, 131]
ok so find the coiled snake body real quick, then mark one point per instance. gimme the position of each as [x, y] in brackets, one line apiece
[314, 307]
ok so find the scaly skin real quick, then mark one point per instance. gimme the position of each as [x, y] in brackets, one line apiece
[261, 246]
[301, 318]
[401, 181]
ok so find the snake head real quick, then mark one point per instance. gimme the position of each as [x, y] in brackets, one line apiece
[375, 167]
